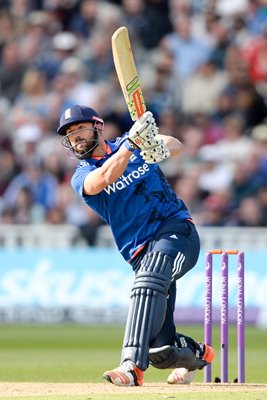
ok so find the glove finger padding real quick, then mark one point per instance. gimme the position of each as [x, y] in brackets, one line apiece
[143, 132]
[156, 154]
[147, 137]
[143, 122]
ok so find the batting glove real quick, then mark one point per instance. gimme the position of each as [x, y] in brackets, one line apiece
[142, 133]
[157, 153]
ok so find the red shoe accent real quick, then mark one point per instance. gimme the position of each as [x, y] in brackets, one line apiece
[139, 376]
[209, 354]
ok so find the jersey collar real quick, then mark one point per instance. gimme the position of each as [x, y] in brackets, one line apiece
[108, 151]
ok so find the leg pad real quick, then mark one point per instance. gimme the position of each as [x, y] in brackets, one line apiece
[147, 307]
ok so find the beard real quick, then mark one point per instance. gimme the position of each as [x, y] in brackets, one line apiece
[85, 148]
[82, 147]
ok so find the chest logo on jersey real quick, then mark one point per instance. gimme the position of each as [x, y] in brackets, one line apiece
[133, 158]
[127, 180]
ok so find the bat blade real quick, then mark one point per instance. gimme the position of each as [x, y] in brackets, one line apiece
[127, 73]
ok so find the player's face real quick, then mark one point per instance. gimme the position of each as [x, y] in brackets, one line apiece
[82, 137]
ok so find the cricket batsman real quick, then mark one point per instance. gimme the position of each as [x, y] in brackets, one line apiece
[122, 182]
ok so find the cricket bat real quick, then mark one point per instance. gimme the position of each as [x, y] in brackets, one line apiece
[127, 73]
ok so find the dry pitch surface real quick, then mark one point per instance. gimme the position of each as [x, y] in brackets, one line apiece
[46, 389]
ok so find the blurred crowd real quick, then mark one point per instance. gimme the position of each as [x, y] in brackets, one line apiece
[203, 69]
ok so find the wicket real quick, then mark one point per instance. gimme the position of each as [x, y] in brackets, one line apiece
[240, 318]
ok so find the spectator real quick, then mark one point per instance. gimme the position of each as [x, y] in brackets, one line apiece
[41, 185]
[99, 61]
[215, 175]
[235, 144]
[64, 45]
[187, 185]
[250, 213]
[164, 86]
[188, 52]
[25, 142]
[141, 17]
[221, 34]
[246, 183]
[36, 39]
[85, 20]
[26, 210]
[215, 209]
[55, 216]
[77, 87]
[202, 89]
[213, 130]
[251, 105]
[224, 106]
[239, 31]
[202, 25]
[7, 27]
[12, 70]
[193, 140]
[255, 52]
[33, 99]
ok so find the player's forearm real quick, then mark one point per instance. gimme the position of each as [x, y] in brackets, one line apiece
[114, 167]
[174, 145]
[108, 173]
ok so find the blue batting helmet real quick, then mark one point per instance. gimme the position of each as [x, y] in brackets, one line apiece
[77, 114]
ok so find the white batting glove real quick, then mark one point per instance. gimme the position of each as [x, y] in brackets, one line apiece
[157, 153]
[142, 133]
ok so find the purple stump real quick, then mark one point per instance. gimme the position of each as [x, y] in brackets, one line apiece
[224, 318]
[240, 319]
[208, 311]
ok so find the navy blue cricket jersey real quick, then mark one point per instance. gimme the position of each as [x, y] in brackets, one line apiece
[136, 205]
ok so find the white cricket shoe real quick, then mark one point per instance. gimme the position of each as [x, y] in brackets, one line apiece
[181, 376]
[127, 374]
